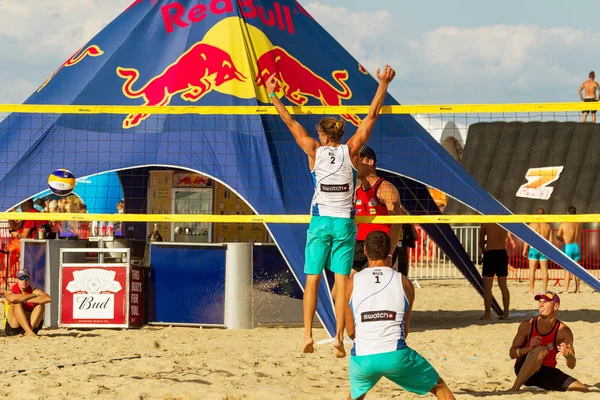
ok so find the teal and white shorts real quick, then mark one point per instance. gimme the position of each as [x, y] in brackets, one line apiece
[405, 367]
[329, 243]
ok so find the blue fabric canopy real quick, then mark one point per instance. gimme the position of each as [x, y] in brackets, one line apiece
[194, 52]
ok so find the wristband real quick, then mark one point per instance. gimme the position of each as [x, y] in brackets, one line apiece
[570, 356]
[272, 95]
[391, 255]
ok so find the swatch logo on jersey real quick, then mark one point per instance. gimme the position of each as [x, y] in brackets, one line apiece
[373, 316]
[335, 188]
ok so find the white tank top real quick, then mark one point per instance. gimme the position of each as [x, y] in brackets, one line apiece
[333, 178]
[378, 304]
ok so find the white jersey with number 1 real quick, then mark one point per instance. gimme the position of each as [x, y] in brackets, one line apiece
[333, 178]
[378, 304]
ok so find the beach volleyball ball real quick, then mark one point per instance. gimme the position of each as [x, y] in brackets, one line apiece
[61, 182]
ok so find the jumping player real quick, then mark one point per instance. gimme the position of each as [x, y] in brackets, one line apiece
[330, 236]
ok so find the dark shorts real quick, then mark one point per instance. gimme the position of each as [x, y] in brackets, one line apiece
[360, 259]
[547, 378]
[10, 331]
[589, 101]
[403, 268]
[495, 262]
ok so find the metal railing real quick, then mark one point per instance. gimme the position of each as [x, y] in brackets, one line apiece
[427, 261]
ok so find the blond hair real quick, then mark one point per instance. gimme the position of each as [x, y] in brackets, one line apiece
[331, 127]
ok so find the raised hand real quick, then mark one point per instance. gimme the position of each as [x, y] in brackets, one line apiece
[387, 75]
[565, 349]
[271, 84]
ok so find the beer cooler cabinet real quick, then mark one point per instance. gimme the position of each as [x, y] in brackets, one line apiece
[102, 294]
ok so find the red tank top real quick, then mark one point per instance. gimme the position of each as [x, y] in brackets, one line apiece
[17, 290]
[367, 204]
[548, 341]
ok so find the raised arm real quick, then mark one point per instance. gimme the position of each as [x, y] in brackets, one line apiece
[363, 132]
[306, 143]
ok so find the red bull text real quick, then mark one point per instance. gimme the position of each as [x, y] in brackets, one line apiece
[299, 82]
[195, 73]
[176, 15]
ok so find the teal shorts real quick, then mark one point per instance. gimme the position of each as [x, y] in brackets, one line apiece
[536, 255]
[572, 251]
[329, 243]
[405, 367]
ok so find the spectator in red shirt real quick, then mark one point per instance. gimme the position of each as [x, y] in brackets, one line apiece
[26, 229]
[24, 307]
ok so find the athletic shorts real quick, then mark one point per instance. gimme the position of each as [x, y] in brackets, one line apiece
[10, 331]
[495, 263]
[589, 101]
[329, 243]
[536, 255]
[405, 367]
[547, 378]
[360, 259]
[572, 251]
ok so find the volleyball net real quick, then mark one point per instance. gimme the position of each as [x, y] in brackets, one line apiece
[207, 170]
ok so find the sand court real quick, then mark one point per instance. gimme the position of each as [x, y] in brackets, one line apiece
[266, 363]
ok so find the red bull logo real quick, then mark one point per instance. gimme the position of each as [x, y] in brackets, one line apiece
[299, 82]
[195, 73]
[92, 51]
[176, 15]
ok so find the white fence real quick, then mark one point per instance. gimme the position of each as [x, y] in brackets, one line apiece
[427, 261]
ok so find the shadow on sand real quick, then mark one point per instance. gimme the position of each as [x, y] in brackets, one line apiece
[425, 320]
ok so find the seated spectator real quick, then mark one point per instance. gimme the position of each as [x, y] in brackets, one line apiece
[24, 307]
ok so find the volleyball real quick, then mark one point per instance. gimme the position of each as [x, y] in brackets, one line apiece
[61, 182]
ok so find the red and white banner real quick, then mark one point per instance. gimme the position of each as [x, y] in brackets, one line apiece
[94, 295]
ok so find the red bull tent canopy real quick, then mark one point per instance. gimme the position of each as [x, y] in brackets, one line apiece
[191, 52]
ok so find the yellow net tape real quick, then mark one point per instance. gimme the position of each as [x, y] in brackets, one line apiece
[301, 219]
[323, 110]
[297, 110]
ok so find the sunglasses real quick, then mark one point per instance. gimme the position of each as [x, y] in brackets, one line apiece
[24, 278]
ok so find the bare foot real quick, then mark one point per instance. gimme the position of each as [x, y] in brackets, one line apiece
[338, 349]
[505, 316]
[309, 345]
[565, 292]
[486, 317]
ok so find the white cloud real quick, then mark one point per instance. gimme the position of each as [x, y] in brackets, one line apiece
[60, 27]
[36, 38]
[523, 60]
[496, 63]
[359, 32]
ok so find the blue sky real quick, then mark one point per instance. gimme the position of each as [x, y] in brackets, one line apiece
[444, 51]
